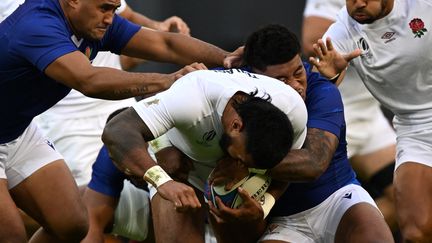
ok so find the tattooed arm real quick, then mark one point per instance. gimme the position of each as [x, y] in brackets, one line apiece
[308, 163]
[110, 83]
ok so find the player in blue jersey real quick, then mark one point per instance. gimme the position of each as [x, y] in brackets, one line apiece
[46, 48]
[323, 202]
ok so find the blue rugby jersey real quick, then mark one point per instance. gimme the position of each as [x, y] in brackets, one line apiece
[31, 38]
[325, 112]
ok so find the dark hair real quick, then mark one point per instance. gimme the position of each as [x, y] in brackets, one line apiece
[269, 133]
[270, 45]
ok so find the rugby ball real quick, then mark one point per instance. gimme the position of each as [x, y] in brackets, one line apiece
[255, 184]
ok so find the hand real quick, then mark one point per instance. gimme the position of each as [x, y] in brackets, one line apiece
[249, 211]
[234, 59]
[189, 68]
[182, 195]
[228, 171]
[174, 24]
[328, 61]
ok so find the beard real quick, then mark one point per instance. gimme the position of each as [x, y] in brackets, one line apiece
[225, 142]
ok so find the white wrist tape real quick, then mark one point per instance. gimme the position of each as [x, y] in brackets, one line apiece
[156, 176]
[159, 143]
[257, 171]
[267, 203]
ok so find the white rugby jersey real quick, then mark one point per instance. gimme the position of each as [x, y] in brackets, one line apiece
[395, 64]
[357, 100]
[191, 110]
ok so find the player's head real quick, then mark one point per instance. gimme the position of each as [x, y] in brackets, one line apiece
[275, 52]
[89, 19]
[367, 11]
[256, 132]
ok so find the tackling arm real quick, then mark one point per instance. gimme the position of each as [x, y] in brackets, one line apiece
[308, 163]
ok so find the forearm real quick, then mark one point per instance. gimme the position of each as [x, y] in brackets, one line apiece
[125, 138]
[297, 166]
[173, 48]
[308, 163]
[113, 84]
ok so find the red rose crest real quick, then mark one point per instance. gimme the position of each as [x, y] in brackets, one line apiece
[417, 27]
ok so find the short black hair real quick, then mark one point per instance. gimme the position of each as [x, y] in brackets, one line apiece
[270, 45]
[269, 132]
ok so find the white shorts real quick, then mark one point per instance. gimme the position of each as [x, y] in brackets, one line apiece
[365, 136]
[23, 156]
[318, 224]
[323, 8]
[132, 215]
[414, 142]
[78, 140]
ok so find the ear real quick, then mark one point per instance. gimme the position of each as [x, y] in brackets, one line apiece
[236, 126]
[72, 3]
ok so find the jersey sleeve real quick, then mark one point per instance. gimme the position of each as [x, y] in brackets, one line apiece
[323, 8]
[119, 34]
[41, 43]
[106, 178]
[339, 34]
[176, 107]
[325, 107]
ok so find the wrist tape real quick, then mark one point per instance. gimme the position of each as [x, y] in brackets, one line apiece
[156, 176]
[267, 203]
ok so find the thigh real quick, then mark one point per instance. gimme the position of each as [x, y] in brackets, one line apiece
[363, 223]
[413, 192]
[171, 226]
[12, 229]
[50, 195]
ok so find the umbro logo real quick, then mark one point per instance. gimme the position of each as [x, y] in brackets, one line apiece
[347, 195]
[388, 36]
[207, 138]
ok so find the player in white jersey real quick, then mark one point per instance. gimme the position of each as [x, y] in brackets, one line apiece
[207, 115]
[395, 65]
[371, 140]
[81, 119]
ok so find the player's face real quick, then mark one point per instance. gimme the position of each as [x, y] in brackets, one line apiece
[292, 73]
[93, 17]
[367, 11]
[235, 147]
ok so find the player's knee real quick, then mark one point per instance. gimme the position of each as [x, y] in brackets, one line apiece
[72, 230]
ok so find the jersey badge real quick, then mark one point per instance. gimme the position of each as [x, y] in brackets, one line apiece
[364, 46]
[417, 27]
[206, 138]
[88, 52]
[388, 36]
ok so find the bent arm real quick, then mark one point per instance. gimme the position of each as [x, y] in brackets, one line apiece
[308, 163]
[126, 137]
